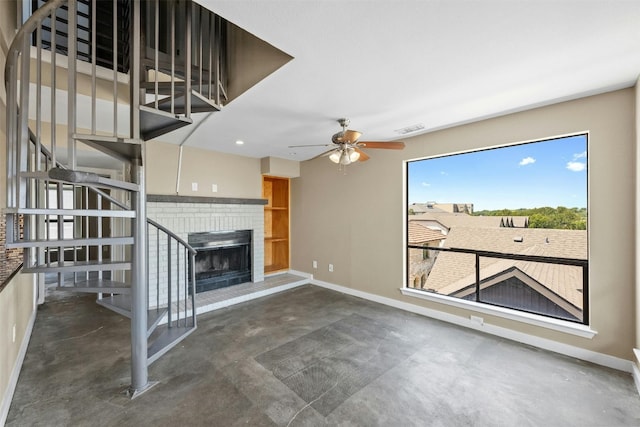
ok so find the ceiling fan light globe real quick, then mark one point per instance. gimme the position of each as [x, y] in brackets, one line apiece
[335, 157]
[354, 155]
[344, 158]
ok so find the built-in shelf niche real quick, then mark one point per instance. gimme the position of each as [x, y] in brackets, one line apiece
[276, 223]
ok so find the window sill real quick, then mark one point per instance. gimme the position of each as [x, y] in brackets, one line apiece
[571, 328]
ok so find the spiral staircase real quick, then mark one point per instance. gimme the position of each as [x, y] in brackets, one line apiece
[88, 83]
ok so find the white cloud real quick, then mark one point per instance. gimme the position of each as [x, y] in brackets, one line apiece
[580, 155]
[426, 184]
[443, 173]
[527, 161]
[576, 166]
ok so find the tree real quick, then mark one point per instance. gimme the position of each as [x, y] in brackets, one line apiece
[561, 218]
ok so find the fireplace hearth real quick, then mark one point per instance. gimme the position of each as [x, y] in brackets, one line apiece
[223, 258]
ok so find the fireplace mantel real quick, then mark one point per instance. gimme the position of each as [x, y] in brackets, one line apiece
[170, 198]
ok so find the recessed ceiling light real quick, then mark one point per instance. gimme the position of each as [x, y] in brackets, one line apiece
[239, 142]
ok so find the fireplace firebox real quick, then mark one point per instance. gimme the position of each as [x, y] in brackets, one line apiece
[223, 258]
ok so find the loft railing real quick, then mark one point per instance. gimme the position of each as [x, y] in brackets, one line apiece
[185, 51]
[476, 290]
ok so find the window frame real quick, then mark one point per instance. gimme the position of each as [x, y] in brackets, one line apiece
[581, 328]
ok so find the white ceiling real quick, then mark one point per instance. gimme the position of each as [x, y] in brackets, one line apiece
[391, 64]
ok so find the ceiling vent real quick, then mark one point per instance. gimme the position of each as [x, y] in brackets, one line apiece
[410, 129]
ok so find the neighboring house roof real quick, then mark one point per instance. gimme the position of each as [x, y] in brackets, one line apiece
[420, 208]
[419, 234]
[450, 220]
[452, 272]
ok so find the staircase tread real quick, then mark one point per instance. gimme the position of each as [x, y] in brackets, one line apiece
[79, 266]
[199, 104]
[120, 148]
[90, 241]
[121, 304]
[154, 123]
[81, 177]
[105, 213]
[165, 114]
[97, 285]
[166, 340]
[101, 281]
[106, 138]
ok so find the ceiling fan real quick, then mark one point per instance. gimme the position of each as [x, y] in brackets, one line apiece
[346, 146]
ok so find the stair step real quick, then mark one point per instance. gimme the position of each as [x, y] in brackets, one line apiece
[164, 71]
[97, 286]
[164, 88]
[100, 213]
[154, 123]
[78, 266]
[80, 177]
[121, 304]
[166, 340]
[199, 103]
[123, 149]
[91, 241]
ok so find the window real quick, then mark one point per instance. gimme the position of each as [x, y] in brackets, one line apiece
[104, 31]
[53, 221]
[425, 252]
[514, 224]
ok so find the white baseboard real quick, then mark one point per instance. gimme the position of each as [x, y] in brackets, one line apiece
[546, 344]
[307, 276]
[636, 370]
[15, 372]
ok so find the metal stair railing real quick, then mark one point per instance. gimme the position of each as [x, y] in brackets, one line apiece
[36, 196]
[171, 263]
[34, 201]
[171, 284]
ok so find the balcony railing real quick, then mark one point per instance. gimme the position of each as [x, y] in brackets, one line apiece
[548, 286]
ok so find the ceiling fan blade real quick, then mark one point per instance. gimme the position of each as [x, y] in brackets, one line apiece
[391, 145]
[351, 136]
[363, 156]
[313, 145]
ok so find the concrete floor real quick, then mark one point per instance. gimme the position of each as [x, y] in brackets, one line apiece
[308, 357]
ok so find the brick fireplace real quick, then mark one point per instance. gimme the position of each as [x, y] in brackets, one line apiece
[186, 215]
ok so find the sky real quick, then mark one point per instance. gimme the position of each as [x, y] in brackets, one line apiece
[547, 173]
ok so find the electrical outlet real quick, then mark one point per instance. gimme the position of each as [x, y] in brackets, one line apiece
[331, 268]
[315, 264]
[214, 188]
[194, 186]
